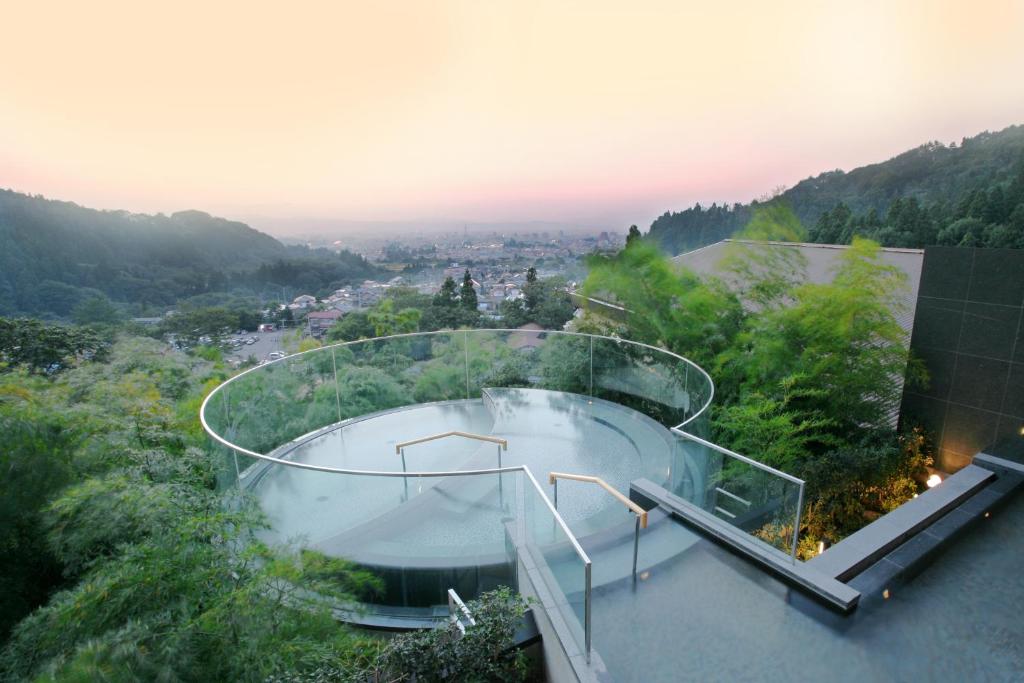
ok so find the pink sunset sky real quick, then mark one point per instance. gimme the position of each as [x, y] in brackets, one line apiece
[594, 113]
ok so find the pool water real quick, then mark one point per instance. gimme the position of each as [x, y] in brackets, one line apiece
[710, 615]
[459, 519]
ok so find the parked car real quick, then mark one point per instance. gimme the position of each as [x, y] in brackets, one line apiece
[275, 355]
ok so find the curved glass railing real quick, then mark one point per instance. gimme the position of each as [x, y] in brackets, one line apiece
[312, 436]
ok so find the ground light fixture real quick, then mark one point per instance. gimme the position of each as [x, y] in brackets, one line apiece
[933, 481]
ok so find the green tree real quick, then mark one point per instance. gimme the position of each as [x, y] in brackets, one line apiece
[667, 306]
[444, 309]
[467, 294]
[46, 348]
[352, 326]
[387, 321]
[633, 235]
[513, 313]
[96, 310]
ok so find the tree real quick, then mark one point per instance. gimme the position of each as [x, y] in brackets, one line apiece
[634, 234]
[189, 326]
[513, 313]
[352, 326]
[386, 321]
[531, 290]
[46, 348]
[484, 652]
[96, 310]
[554, 308]
[444, 310]
[667, 306]
[467, 295]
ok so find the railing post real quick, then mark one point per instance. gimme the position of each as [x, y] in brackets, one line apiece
[405, 479]
[591, 366]
[554, 482]
[501, 477]
[636, 545]
[796, 525]
[586, 610]
[234, 453]
[465, 345]
[337, 393]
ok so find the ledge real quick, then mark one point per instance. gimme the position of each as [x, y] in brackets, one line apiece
[799, 574]
[860, 550]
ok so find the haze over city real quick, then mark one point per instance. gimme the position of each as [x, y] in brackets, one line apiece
[592, 113]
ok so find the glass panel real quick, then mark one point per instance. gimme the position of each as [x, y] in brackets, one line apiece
[757, 501]
[643, 379]
[554, 558]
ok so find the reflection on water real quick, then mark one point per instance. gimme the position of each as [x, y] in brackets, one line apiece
[448, 517]
[714, 616]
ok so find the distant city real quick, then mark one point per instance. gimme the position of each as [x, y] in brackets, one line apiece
[497, 262]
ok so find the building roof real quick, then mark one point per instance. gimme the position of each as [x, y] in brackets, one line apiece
[330, 314]
[822, 261]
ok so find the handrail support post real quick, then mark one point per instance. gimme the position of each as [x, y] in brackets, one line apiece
[796, 523]
[405, 479]
[501, 482]
[636, 545]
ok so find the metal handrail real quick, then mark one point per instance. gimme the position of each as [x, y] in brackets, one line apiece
[458, 612]
[502, 445]
[241, 450]
[801, 484]
[641, 514]
[467, 435]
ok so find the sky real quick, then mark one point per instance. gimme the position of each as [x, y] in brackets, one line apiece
[589, 113]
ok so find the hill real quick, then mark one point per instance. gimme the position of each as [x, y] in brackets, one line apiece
[56, 254]
[931, 178]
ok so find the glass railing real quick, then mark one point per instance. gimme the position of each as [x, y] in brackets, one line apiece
[449, 516]
[749, 495]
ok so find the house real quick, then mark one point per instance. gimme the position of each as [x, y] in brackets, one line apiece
[303, 301]
[527, 337]
[319, 321]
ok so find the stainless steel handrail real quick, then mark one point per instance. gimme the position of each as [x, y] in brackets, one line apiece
[466, 435]
[287, 359]
[502, 445]
[553, 478]
[457, 611]
[641, 514]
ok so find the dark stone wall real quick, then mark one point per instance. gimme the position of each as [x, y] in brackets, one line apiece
[968, 331]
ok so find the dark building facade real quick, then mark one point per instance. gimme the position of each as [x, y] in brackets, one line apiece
[969, 331]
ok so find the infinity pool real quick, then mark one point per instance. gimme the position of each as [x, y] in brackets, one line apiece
[455, 519]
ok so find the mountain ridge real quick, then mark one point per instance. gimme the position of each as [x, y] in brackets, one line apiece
[57, 253]
[930, 173]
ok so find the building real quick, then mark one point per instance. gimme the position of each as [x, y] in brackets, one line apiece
[303, 301]
[319, 321]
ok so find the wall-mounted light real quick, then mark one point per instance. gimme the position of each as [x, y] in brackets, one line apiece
[933, 481]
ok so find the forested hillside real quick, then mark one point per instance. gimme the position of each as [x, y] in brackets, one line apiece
[944, 182]
[57, 255]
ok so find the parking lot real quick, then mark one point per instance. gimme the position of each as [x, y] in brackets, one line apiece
[265, 344]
